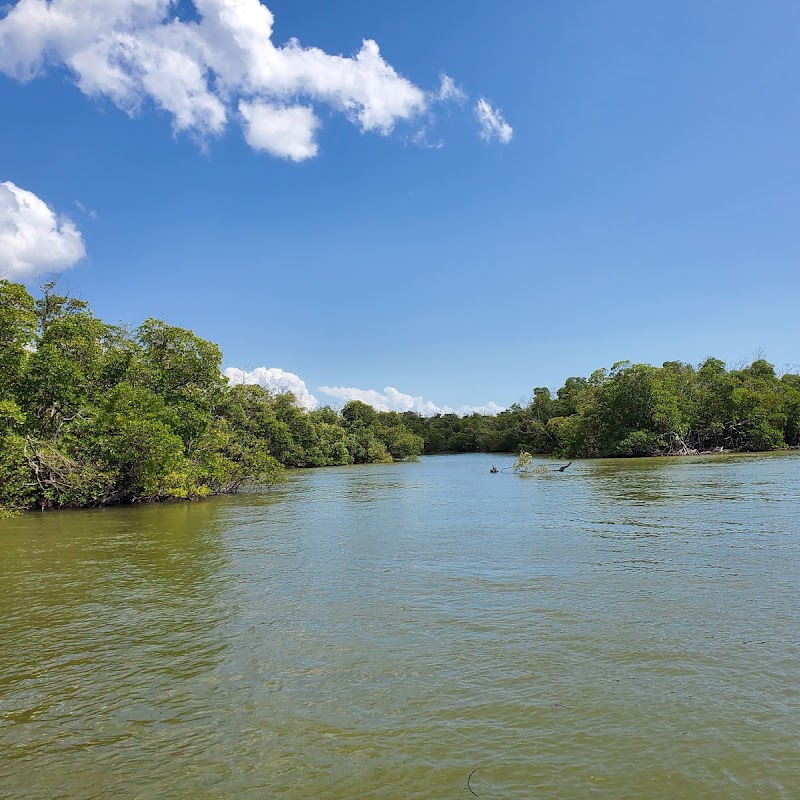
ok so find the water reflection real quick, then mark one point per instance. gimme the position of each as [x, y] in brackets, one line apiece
[638, 483]
[375, 488]
[699, 479]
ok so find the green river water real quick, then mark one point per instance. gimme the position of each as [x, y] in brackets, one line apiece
[627, 629]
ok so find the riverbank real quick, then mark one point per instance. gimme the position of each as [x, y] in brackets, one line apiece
[491, 458]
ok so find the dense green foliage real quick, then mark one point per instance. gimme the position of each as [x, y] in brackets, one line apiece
[92, 414]
[636, 410]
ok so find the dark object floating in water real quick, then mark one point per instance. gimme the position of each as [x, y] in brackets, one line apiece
[561, 469]
[468, 780]
[494, 469]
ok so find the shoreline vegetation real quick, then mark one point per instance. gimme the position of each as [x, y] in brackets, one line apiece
[93, 414]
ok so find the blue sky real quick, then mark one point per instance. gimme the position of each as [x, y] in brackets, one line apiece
[645, 208]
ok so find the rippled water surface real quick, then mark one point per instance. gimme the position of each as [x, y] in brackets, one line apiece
[629, 629]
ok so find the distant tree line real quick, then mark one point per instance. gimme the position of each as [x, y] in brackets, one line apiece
[636, 410]
[93, 414]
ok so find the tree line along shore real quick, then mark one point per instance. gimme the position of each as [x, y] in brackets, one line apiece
[93, 414]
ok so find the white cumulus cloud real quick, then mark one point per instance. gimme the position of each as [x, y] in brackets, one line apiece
[274, 380]
[200, 71]
[492, 122]
[391, 399]
[287, 132]
[33, 238]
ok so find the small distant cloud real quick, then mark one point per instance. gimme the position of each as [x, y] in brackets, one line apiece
[279, 381]
[421, 139]
[449, 92]
[33, 237]
[488, 410]
[391, 399]
[493, 124]
[274, 380]
[91, 213]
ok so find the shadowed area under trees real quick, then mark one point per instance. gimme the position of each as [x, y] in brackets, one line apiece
[93, 414]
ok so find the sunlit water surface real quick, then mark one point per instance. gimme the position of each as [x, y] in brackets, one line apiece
[627, 629]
